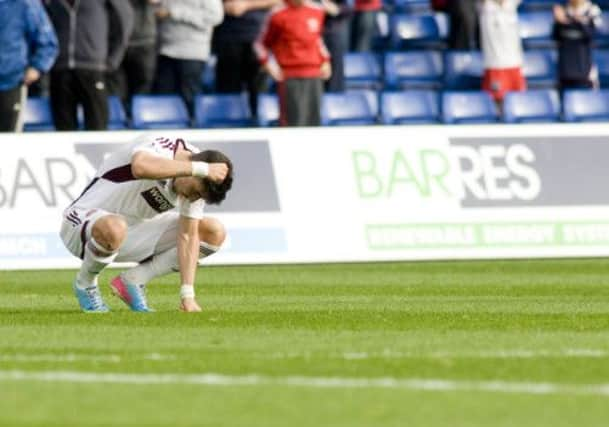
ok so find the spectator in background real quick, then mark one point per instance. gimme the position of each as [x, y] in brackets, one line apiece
[136, 72]
[501, 48]
[574, 27]
[363, 24]
[336, 29]
[93, 36]
[293, 34]
[463, 23]
[237, 65]
[185, 30]
[29, 48]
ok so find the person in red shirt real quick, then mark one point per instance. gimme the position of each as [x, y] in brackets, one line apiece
[293, 34]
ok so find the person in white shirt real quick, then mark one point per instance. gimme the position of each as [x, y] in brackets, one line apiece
[501, 47]
[146, 205]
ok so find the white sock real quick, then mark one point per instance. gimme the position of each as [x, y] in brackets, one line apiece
[95, 260]
[162, 264]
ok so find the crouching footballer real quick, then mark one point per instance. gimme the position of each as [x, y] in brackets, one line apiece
[146, 205]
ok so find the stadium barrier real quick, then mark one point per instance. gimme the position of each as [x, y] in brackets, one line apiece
[349, 193]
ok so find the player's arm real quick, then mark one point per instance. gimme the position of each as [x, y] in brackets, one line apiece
[145, 165]
[188, 256]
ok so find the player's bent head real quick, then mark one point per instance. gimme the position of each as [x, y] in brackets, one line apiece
[215, 192]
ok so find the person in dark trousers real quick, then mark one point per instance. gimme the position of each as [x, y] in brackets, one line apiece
[237, 67]
[574, 28]
[464, 32]
[363, 24]
[29, 48]
[136, 72]
[185, 31]
[93, 37]
[336, 30]
[292, 34]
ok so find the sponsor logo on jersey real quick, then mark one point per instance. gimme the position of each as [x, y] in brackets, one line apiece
[156, 200]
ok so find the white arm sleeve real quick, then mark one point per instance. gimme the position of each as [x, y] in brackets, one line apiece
[192, 210]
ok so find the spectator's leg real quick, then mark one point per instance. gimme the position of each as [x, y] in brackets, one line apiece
[294, 99]
[94, 99]
[166, 79]
[313, 89]
[228, 68]
[140, 65]
[335, 43]
[362, 31]
[10, 108]
[253, 76]
[464, 25]
[190, 81]
[64, 100]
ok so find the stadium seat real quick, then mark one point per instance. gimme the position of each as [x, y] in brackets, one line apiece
[117, 118]
[409, 6]
[362, 71]
[601, 58]
[349, 108]
[583, 105]
[531, 106]
[413, 70]
[222, 111]
[418, 31]
[468, 107]
[537, 5]
[208, 77]
[540, 69]
[38, 115]
[409, 107]
[463, 70]
[159, 112]
[268, 110]
[536, 29]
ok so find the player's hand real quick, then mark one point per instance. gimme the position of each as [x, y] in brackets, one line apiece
[325, 71]
[161, 12]
[31, 76]
[189, 305]
[217, 172]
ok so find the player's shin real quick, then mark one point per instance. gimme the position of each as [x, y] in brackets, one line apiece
[96, 258]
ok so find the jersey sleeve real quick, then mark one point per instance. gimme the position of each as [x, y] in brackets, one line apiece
[156, 145]
[192, 210]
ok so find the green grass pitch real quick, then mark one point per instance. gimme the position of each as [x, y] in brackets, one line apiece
[494, 343]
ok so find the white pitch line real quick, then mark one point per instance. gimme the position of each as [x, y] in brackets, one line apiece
[211, 379]
[73, 358]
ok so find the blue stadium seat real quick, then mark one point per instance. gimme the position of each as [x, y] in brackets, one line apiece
[117, 118]
[601, 58]
[418, 31]
[208, 77]
[38, 115]
[540, 69]
[159, 112]
[537, 5]
[409, 6]
[413, 70]
[463, 70]
[349, 108]
[583, 105]
[532, 106]
[468, 107]
[222, 111]
[268, 110]
[362, 71]
[409, 107]
[536, 29]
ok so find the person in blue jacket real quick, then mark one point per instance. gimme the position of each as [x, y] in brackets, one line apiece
[28, 48]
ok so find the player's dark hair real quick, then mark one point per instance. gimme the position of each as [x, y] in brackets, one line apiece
[215, 191]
